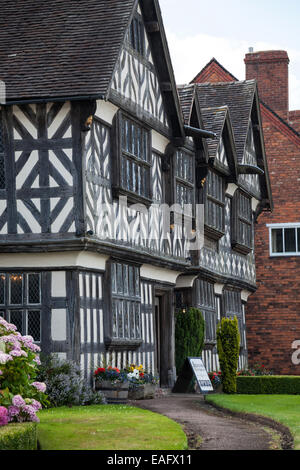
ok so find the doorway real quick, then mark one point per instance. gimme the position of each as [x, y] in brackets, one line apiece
[164, 336]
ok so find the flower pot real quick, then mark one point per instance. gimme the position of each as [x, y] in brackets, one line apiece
[142, 392]
[115, 393]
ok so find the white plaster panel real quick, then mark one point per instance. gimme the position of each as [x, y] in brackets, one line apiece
[106, 111]
[58, 284]
[159, 142]
[59, 324]
[56, 259]
[159, 274]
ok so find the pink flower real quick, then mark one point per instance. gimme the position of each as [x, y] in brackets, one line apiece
[18, 401]
[40, 386]
[3, 416]
[13, 411]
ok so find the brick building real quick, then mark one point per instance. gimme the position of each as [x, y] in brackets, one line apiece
[273, 311]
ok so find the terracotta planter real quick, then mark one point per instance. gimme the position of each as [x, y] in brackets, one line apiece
[115, 393]
[142, 392]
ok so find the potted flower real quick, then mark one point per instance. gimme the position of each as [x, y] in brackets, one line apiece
[142, 385]
[216, 380]
[113, 383]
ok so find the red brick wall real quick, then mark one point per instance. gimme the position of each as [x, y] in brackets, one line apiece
[270, 68]
[294, 120]
[273, 312]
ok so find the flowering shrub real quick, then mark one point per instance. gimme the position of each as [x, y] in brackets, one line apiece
[215, 378]
[138, 376]
[65, 385]
[257, 369]
[113, 374]
[20, 395]
[135, 375]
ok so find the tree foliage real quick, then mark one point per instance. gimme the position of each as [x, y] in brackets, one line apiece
[228, 344]
[189, 335]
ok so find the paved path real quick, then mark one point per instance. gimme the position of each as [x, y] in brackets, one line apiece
[217, 430]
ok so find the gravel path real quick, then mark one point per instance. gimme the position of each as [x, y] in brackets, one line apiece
[217, 430]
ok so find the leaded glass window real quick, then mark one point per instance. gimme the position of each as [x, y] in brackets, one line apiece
[126, 301]
[184, 180]
[137, 35]
[134, 162]
[19, 292]
[215, 204]
[206, 302]
[242, 222]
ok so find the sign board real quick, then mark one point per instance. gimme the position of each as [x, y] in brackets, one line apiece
[193, 366]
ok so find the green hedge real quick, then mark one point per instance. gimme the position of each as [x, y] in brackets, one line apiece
[269, 384]
[18, 436]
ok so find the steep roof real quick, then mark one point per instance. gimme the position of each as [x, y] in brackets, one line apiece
[186, 95]
[60, 47]
[214, 120]
[238, 96]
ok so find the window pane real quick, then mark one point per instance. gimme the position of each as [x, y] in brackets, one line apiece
[16, 317]
[34, 296]
[277, 240]
[290, 240]
[34, 324]
[298, 238]
[16, 289]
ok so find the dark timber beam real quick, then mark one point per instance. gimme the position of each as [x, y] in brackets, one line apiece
[250, 170]
[152, 26]
[195, 132]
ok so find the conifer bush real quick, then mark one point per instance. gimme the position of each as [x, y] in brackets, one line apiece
[189, 335]
[228, 345]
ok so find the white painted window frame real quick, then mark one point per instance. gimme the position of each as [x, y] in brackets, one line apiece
[283, 226]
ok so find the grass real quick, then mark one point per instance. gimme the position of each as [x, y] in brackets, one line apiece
[108, 427]
[284, 409]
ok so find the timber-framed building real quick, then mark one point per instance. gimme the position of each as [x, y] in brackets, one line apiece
[93, 117]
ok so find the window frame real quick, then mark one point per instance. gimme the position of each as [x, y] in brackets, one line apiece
[115, 342]
[25, 307]
[236, 218]
[117, 188]
[283, 226]
[209, 230]
[180, 181]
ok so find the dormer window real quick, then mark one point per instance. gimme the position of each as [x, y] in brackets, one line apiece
[214, 205]
[241, 225]
[184, 179]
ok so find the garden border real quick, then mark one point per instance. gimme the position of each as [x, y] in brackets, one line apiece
[286, 437]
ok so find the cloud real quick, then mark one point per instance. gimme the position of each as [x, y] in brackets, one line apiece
[191, 53]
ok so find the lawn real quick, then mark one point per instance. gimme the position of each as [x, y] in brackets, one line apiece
[282, 408]
[108, 427]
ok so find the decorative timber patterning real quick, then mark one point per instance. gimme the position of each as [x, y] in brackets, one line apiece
[225, 261]
[135, 80]
[113, 222]
[91, 321]
[41, 199]
[98, 179]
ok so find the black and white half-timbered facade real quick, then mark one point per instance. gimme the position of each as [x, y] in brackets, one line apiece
[95, 143]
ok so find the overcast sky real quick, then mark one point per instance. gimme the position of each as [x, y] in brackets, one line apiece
[198, 30]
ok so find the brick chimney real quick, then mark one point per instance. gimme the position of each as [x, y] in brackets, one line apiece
[270, 68]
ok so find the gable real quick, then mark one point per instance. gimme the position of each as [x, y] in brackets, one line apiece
[135, 78]
[213, 72]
